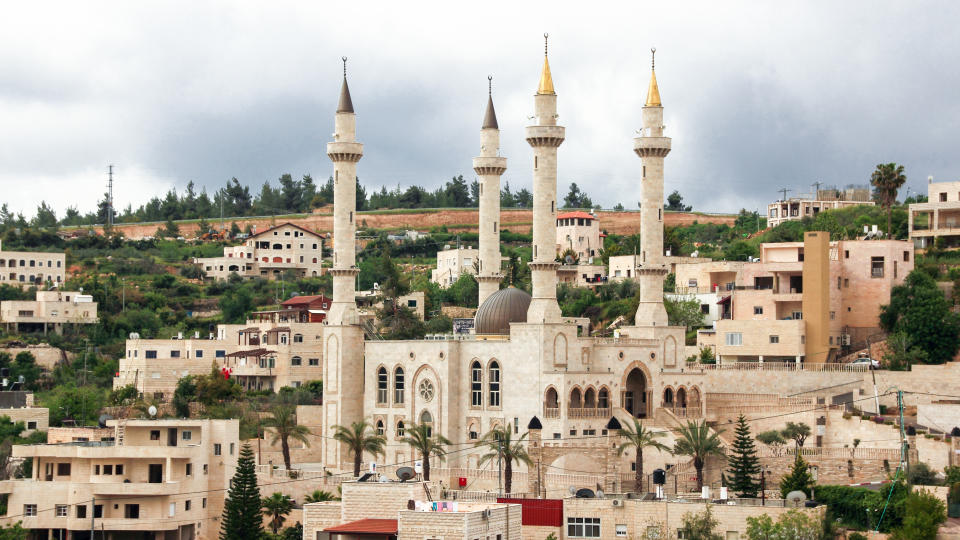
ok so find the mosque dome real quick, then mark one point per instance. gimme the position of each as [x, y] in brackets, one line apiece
[500, 309]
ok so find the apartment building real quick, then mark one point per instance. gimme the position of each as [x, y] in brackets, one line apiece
[407, 511]
[802, 301]
[579, 232]
[453, 262]
[303, 309]
[18, 406]
[157, 479]
[51, 310]
[582, 274]
[31, 268]
[269, 254]
[623, 267]
[259, 355]
[939, 217]
[795, 209]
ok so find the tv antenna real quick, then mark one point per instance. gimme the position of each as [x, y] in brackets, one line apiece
[110, 196]
[784, 191]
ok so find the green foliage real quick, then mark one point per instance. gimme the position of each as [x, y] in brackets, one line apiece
[235, 304]
[700, 526]
[319, 495]
[185, 392]
[276, 507]
[796, 431]
[359, 437]
[282, 419]
[675, 203]
[214, 388]
[576, 198]
[293, 533]
[696, 440]
[924, 513]
[886, 181]
[424, 441]
[684, 312]
[860, 508]
[638, 438]
[744, 464]
[921, 474]
[70, 402]
[123, 396]
[798, 479]
[857, 536]
[502, 448]
[952, 476]
[919, 310]
[793, 525]
[740, 250]
[14, 532]
[241, 510]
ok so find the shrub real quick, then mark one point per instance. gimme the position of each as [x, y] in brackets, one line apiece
[859, 508]
[922, 475]
[847, 416]
[924, 514]
[857, 536]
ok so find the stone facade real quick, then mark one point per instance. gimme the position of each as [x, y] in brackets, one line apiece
[51, 309]
[270, 254]
[939, 217]
[31, 268]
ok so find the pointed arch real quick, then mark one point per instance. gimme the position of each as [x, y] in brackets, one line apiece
[493, 383]
[668, 397]
[576, 398]
[603, 398]
[560, 349]
[590, 398]
[476, 384]
[551, 399]
[398, 385]
[669, 351]
[383, 383]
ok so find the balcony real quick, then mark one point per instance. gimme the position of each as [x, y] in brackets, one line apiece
[135, 489]
[585, 412]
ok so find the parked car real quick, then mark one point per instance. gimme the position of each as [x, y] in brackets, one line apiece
[865, 361]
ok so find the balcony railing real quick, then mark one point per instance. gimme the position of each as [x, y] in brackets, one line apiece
[585, 412]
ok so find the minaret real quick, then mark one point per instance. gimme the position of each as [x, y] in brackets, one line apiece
[344, 152]
[343, 348]
[545, 137]
[652, 147]
[489, 166]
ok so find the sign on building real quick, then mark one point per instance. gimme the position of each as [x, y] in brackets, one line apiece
[462, 326]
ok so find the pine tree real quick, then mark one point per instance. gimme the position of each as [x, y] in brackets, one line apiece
[744, 464]
[241, 510]
[798, 479]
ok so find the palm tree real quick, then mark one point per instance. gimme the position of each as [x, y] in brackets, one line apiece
[502, 448]
[698, 442]
[276, 507]
[319, 495]
[283, 420]
[421, 439]
[886, 181]
[638, 438]
[359, 440]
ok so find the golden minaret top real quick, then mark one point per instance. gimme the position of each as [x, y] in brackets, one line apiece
[653, 92]
[546, 81]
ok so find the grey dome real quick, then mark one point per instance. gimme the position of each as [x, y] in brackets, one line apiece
[499, 310]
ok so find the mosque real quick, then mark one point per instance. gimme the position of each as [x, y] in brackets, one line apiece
[527, 365]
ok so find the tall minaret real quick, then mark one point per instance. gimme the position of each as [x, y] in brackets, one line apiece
[652, 147]
[344, 152]
[489, 166]
[343, 348]
[545, 137]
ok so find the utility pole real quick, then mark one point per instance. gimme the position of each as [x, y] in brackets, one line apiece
[222, 195]
[110, 196]
[816, 190]
[784, 191]
[123, 282]
[93, 527]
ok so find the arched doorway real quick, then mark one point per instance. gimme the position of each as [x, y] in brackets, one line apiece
[635, 394]
[575, 399]
[552, 400]
[589, 399]
[682, 397]
[668, 397]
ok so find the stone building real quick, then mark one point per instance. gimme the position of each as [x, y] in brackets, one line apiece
[31, 268]
[579, 232]
[156, 478]
[797, 208]
[270, 254]
[451, 263]
[52, 309]
[18, 406]
[939, 217]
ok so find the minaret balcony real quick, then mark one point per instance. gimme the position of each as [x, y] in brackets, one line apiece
[545, 135]
[651, 146]
[489, 165]
[345, 151]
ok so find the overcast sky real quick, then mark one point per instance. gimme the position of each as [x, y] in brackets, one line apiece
[757, 96]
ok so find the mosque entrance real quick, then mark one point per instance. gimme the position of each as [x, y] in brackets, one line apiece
[636, 397]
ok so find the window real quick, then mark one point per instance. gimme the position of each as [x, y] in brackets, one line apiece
[150, 354]
[220, 354]
[943, 197]
[98, 510]
[398, 386]
[186, 505]
[296, 361]
[313, 362]
[96, 469]
[186, 435]
[758, 310]
[876, 267]
[203, 503]
[705, 309]
[906, 256]
[63, 469]
[217, 449]
[232, 445]
[426, 419]
[174, 354]
[583, 527]
[198, 354]
[839, 282]
[61, 510]
[400, 432]
[119, 468]
[108, 469]
[382, 384]
[846, 282]
[81, 511]
[31, 425]
[298, 338]
[774, 339]
[131, 511]
[621, 530]
[476, 385]
[189, 469]
[29, 510]
[155, 435]
[734, 339]
[494, 384]
[205, 468]
[833, 315]
[380, 429]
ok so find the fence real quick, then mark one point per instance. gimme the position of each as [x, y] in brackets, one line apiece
[781, 366]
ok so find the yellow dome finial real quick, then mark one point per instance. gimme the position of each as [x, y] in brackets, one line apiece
[546, 81]
[653, 92]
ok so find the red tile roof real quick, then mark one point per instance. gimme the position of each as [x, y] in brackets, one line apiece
[366, 526]
[575, 215]
[301, 300]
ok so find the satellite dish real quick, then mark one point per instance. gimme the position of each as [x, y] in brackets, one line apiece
[599, 493]
[102, 421]
[405, 473]
[797, 497]
[568, 259]
[383, 479]
[152, 411]
[585, 494]
[573, 490]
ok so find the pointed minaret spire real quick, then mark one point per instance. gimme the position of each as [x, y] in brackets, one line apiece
[546, 81]
[346, 104]
[653, 92]
[490, 118]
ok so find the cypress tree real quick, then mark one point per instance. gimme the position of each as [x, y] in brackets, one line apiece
[799, 479]
[241, 510]
[744, 465]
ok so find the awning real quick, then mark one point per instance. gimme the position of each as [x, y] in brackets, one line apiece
[246, 354]
[724, 300]
[278, 329]
[366, 526]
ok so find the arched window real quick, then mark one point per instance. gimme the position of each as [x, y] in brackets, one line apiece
[296, 361]
[575, 399]
[398, 385]
[472, 432]
[426, 419]
[382, 384]
[494, 384]
[379, 427]
[589, 399]
[283, 339]
[603, 399]
[681, 398]
[400, 432]
[553, 400]
[298, 338]
[476, 385]
[668, 396]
